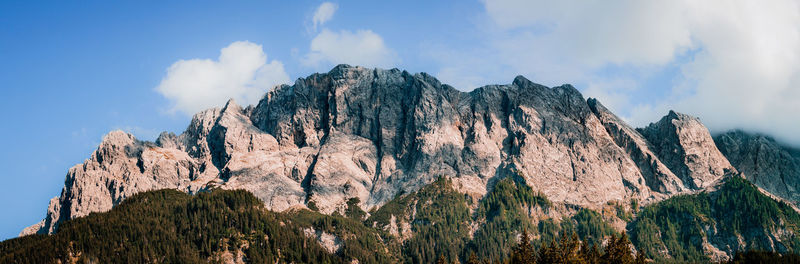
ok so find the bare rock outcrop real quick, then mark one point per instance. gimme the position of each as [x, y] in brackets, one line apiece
[764, 162]
[657, 175]
[120, 167]
[684, 144]
[372, 134]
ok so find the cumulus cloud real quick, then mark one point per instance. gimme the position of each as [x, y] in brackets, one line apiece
[323, 14]
[241, 72]
[363, 48]
[737, 62]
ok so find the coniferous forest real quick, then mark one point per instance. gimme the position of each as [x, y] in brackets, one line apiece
[443, 226]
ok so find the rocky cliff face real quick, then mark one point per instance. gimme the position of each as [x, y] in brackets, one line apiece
[685, 146]
[763, 161]
[372, 134]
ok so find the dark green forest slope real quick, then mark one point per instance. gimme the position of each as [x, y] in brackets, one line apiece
[169, 226]
[434, 224]
[736, 217]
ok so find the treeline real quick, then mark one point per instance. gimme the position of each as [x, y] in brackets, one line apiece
[765, 257]
[617, 250]
[168, 226]
[433, 224]
[570, 249]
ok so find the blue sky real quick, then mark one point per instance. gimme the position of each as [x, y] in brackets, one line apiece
[70, 73]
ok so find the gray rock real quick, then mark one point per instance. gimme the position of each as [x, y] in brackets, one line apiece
[765, 162]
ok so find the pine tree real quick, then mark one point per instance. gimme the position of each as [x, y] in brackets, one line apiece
[591, 255]
[618, 250]
[441, 259]
[640, 258]
[549, 253]
[473, 259]
[523, 252]
[569, 249]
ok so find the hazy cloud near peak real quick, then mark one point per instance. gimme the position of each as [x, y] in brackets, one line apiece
[737, 63]
[241, 72]
[362, 47]
[323, 14]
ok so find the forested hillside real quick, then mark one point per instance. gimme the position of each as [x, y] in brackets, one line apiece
[434, 224]
[736, 217]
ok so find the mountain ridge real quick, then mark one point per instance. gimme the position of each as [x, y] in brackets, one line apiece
[373, 134]
[767, 163]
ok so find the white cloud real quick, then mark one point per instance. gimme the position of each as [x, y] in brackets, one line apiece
[241, 72]
[363, 48]
[748, 72]
[323, 14]
[593, 33]
[738, 61]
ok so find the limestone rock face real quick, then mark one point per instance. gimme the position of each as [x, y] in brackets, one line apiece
[685, 146]
[657, 175]
[120, 167]
[372, 134]
[763, 161]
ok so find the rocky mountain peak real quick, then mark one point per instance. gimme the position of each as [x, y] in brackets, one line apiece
[372, 134]
[685, 146]
[521, 81]
[231, 106]
[657, 175]
[116, 138]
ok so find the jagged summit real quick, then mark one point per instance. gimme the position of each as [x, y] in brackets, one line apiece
[372, 134]
[231, 105]
[657, 175]
[686, 147]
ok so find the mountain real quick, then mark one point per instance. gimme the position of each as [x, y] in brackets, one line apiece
[765, 162]
[354, 139]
